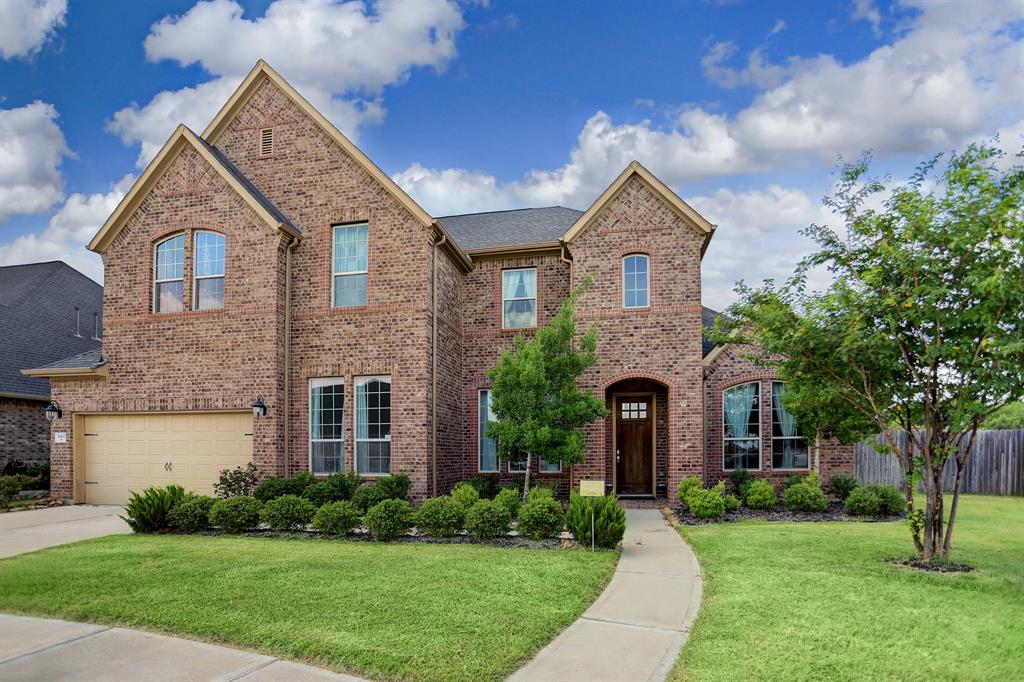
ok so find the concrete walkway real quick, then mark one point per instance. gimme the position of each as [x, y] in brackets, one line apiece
[41, 650]
[26, 531]
[636, 628]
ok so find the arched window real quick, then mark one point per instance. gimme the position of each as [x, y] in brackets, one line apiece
[741, 419]
[789, 449]
[169, 275]
[373, 425]
[208, 292]
[636, 281]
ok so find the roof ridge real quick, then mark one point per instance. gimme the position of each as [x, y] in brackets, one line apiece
[507, 210]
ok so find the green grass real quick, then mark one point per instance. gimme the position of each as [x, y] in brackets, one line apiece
[816, 601]
[402, 611]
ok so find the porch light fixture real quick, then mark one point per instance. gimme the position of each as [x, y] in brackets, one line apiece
[53, 412]
[259, 408]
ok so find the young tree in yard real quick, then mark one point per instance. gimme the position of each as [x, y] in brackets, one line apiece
[922, 327]
[539, 409]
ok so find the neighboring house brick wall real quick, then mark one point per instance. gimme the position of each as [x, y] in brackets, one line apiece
[24, 432]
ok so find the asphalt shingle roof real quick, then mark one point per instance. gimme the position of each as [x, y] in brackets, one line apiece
[37, 321]
[249, 187]
[707, 319]
[90, 358]
[510, 228]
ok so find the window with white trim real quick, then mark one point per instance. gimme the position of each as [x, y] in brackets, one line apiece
[517, 466]
[351, 265]
[487, 448]
[373, 425]
[636, 281]
[519, 298]
[789, 449]
[741, 427]
[550, 467]
[326, 425]
[169, 275]
[208, 288]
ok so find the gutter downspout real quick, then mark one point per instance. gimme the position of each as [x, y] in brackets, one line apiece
[287, 347]
[433, 374]
[563, 256]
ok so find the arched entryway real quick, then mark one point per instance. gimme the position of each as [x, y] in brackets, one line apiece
[636, 437]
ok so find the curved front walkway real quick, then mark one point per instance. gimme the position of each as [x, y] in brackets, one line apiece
[636, 628]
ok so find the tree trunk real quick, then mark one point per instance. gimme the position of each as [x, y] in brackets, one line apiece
[905, 456]
[526, 479]
[952, 510]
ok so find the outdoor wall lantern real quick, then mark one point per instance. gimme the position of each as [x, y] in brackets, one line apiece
[53, 412]
[259, 408]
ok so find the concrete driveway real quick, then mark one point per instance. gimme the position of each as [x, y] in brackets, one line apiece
[26, 531]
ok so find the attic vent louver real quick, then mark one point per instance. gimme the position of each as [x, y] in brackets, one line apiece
[266, 141]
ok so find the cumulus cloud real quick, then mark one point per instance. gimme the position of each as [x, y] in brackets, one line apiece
[867, 10]
[338, 54]
[758, 71]
[26, 25]
[31, 150]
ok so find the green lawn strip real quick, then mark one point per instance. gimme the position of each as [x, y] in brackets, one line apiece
[408, 611]
[816, 601]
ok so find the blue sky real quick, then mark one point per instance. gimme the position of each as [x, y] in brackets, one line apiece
[741, 107]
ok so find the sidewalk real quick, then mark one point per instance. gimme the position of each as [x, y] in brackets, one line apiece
[636, 628]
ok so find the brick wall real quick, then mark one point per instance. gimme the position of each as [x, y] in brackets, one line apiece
[24, 432]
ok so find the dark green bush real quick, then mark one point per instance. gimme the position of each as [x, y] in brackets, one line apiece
[863, 502]
[395, 486]
[487, 519]
[322, 492]
[440, 516]
[271, 487]
[804, 496]
[790, 482]
[389, 519]
[891, 499]
[706, 503]
[761, 495]
[336, 518]
[841, 485]
[38, 477]
[541, 517]
[539, 491]
[192, 514]
[464, 496]
[741, 480]
[148, 512]
[288, 512]
[486, 486]
[368, 495]
[685, 486]
[10, 486]
[297, 484]
[609, 520]
[237, 482]
[510, 498]
[732, 503]
[235, 514]
[345, 483]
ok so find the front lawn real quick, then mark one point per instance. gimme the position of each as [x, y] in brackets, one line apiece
[816, 601]
[411, 611]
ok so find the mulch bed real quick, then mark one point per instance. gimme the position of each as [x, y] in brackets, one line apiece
[834, 512]
[932, 566]
[362, 535]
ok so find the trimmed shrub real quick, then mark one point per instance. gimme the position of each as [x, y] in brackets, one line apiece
[706, 503]
[741, 480]
[237, 482]
[487, 487]
[288, 512]
[148, 512]
[761, 495]
[791, 481]
[487, 519]
[321, 492]
[395, 486]
[540, 491]
[440, 516]
[863, 502]
[464, 496]
[235, 514]
[540, 518]
[732, 503]
[345, 483]
[336, 518]
[369, 495]
[685, 486]
[192, 514]
[609, 520]
[510, 498]
[389, 519]
[297, 484]
[841, 485]
[9, 487]
[804, 497]
[270, 488]
[891, 500]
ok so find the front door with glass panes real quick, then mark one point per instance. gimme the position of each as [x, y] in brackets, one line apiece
[634, 444]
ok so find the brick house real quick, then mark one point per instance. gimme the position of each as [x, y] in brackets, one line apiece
[269, 258]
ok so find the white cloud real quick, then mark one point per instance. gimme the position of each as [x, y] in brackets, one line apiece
[778, 27]
[758, 72]
[26, 25]
[867, 10]
[68, 231]
[31, 150]
[338, 54]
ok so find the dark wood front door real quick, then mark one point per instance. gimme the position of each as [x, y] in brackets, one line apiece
[634, 456]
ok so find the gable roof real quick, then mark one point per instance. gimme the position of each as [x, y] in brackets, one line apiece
[517, 227]
[37, 319]
[180, 139]
[685, 211]
[707, 320]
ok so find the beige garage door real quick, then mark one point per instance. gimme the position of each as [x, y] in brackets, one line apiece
[130, 452]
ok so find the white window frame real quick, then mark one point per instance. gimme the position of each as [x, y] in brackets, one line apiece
[646, 258]
[513, 470]
[535, 299]
[480, 435]
[356, 440]
[157, 282]
[320, 383]
[195, 268]
[774, 438]
[334, 259]
[760, 436]
[540, 467]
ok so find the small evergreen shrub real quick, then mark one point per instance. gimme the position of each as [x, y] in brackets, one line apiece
[192, 514]
[288, 512]
[487, 519]
[440, 516]
[609, 520]
[805, 496]
[540, 491]
[389, 519]
[322, 492]
[732, 503]
[761, 495]
[791, 481]
[237, 482]
[148, 512]
[487, 487]
[10, 486]
[271, 487]
[706, 503]
[464, 496]
[863, 502]
[297, 484]
[369, 495]
[395, 486]
[336, 518]
[345, 483]
[841, 485]
[891, 500]
[741, 480]
[540, 518]
[685, 486]
[509, 497]
[235, 514]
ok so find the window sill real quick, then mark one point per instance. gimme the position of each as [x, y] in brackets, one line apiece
[185, 313]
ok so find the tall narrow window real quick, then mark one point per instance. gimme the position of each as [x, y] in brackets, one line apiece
[487, 449]
[789, 449]
[636, 281]
[169, 275]
[741, 419]
[208, 292]
[519, 298]
[326, 425]
[373, 425]
[351, 246]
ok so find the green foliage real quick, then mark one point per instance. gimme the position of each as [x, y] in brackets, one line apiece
[288, 512]
[389, 519]
[706, 503]
[395, 487]
[541, 517]
[336, 518]
[609, 520]
[486, 485]
[322, 492]
[148, 512]
[271, 487]
[298, 483]
[237, 482]
[841, 485]
[10, 486]
[192, 514]
[1009, 416]
[863, 502]
[345, 483]
[891, 500]
[509, 497]
[37, 477]
[805, 496]
[440, 516]
[790, 481]
[541, 491]
[464, 496]
[487, 519]
[235, 514]
[685, 486]
[761, 495]
[741, 480]
[732, 503]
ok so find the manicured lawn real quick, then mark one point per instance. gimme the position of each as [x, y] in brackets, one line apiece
[405, 611]
[815, 601]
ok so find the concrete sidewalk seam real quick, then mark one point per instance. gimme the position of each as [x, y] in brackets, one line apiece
[638, 626]
[55, 645]
[248, 670]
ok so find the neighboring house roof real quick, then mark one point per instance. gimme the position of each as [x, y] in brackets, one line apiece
[524, 226]
[707, 319]
[90, 363]
[37, 319]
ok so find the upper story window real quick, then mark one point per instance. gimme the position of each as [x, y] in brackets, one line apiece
[373, 425]
[487, 448]
[326, 425]
[789, 449]
[208, 292]
[169, 275]
[636, 281]
[351, 249]
[519, 298]
[742, 427]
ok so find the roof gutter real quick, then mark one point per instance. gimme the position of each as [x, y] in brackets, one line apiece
[67, 372]
[512, 249]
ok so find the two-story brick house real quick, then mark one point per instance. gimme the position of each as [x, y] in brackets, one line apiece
[269, 258]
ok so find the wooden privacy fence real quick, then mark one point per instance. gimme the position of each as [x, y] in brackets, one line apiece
[996, 466]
